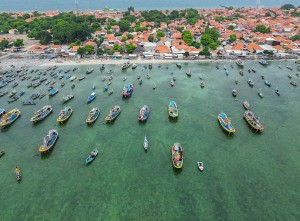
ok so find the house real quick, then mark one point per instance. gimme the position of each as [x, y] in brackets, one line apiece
[149, 47]
[98, 34]
[162, 49]
[115, 28]
[12, 31]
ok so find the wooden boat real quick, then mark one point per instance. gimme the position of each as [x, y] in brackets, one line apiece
[42, 95]
[240, 63]
[277, 91]
[172, 83]
[105, 88]
[268, 83]
[127, 90]
[89, 71]
[64, 114]
[2, 153]
[3, 92]
[13, 93]
[150, 66]
[66, 98]
[202, 84]
[15, 85]
[73, 78]
[241, 72]
[29, 103]
[10, 117]
[53, 92]
[144, 113]
[21, 93]
[67, 71]
[18, 173]
[49, 141]
[236, 81]
[36, 84]
[92, 156]
[200, 166]
[145, 144]
[50, 88]
[253, 121]
[3, 84]
[91, 98]
[293, 83]
[253, 69]
[289, 76]
[12, 99]
[35, 96]
[178, 65]
[154, 86]
[225, 123]
[250, 82]
[111, 92]
[246, 105]
[234, 93]
[188, 73]
[173, 110]
[74, 69]
[148, 76]
[93, 115]
[68, 77]
[81, 78]
[2, 111]
[134, 66]
[260, 94]
[126, 65]
[41, 114]
[102, 67]
[263, 62]
[217, 67]
[62, 84]
[141, 82]
[177, 156]
[289, 67]
[113, 114]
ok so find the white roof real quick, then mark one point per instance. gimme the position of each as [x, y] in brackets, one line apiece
[267, 47]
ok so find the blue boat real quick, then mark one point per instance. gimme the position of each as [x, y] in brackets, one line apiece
[92, 156]
[3, 83]
[53, 92]
[22, 93]
[127, 90]
[68, 76]
[263, 62]
[91, 97]
[105, 88]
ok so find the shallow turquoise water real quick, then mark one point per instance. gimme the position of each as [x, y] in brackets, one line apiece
[247, 176]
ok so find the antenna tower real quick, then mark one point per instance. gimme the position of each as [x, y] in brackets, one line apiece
[257, 3]
[76, 6]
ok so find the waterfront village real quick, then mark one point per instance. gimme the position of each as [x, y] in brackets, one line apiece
[225, 33]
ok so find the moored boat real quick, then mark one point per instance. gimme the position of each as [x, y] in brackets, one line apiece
[89, 71]
[154, 86]
[277, 91]
[73, 78]
[92, 156]
[29, 103]
[253, 121]
[268, 83]
[93, 115]
[2, 84]
[173, 110]
[111, 92]
[127, 90]
[13, 93]
[250, 82]
[10, 117]
[200, 166]
[260, 94]
[202, 84]
[145, 144]
[113, 114]
[2, 153]
[234, 92]
[91, 98]
[66, 98]
[178, 65]
[125, 65]
[134, 66]
[81, 78]
[240, 63]
[64, 114]
[144, 113]
[49, 141]
[293, 83]
[177, 156]
[3, 92]
[2, 111]
[241, 72]
[246, 105]
[12, 99]
[189, 73]
[18, 173]
[263, 62]
[53, 92]
[41, 114]
[225, 123]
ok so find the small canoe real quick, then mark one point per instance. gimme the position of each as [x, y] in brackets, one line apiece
[49, 141]
[91, 98]
[246, 105]
[92, 156]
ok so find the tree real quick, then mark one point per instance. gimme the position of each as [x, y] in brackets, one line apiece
[295, 37]
[117, 48]
[287, 7]
[206, 39]
[150, 38]
[232, 38]
[44, 37]
[262, 29]
[130, 48]
[205, 52]
[196, 44]
[89, 49]
[18, 43]
[160, 34]
[123, 38]
[231, 27]
[187, 37]
[124, 25]
[3, 44]
[81, 51]
[131, 9]
[129, 36]
[186, 54]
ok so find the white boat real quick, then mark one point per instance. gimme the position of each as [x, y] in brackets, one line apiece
[200, 166]
[145, 143]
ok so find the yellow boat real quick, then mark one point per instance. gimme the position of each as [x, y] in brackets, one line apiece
[18, 173]
[225, 123]
[10, 117]
[173, 110]
[177, 156]
[65, 114]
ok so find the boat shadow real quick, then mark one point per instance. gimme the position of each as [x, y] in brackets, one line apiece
[46, 155]
[177, 171]
[173, 120]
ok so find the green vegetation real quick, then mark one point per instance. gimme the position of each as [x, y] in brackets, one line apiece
[18, 43]
[295, 37]
[4, 44]
[232, 38]
[118, 48]
[187, 37]
[287, 7]
[130, 48]
[231, 27]
[262, 29]
[205, 52]
[210, 38]
[159, 34]
[150, 38]
[124, 25]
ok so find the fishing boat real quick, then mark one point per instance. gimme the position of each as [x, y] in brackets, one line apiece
[246, 105]
[68, 77]
[236, 80]
[200, 166]
[289, 76]
[217, 67]
[127, 90]
[173, 110]
[91, 98]
[41, 114]
[253, 69]
[172, 83]
[253, 121]
[89, 71]
[62, 84]
[293, 83]
[227, 73]
[35, 96]
[2, 111]
[241, 72]
[144, 113]
[10, 117]
[234, 92]
[73, 86]
[21, 93]
[225, 123]
[102, 67]
[42, 95]
[150, 66]
[29, 103]
[154, 86]
[277, 91]
[73, 78]
[250, 82]
[18, 173]
[148, 76]
[177, 156]
[138, 77]
[134, 66]
[240, 63]
[49, 141]
[188, 73]
[66, 98]
[65, 114]
[36, 84]
[113, 114]
[105, 88]
[145, 144]
[2, 84]
[13, 93]
[141, 82]
[15, 85]
[109, 83]
[81, 78]
[50, 88]
[111, 92]
[92, 156]
[268, 83]
[93, 115]
[12, 99]
[289, 67]
[3, 92]
[263, 62]
[200, 76]
[74, 69]
[263, 77]
[126, 65]
[2, 153]
[67, 71]
[202, 84]
[53, 92]
[260, 94]
[178, 65]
